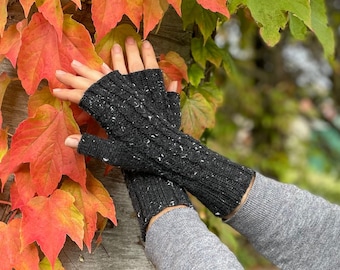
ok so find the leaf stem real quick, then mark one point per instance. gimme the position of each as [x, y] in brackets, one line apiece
[5, 202]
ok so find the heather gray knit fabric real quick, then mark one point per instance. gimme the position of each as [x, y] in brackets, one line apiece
[179, 240]
[142, 139]
[291, 227]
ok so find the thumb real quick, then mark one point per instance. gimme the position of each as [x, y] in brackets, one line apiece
[73, 141]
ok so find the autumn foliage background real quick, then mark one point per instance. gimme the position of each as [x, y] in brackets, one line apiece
[53, 194]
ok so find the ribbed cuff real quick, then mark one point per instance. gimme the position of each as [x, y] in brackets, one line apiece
[151, 194]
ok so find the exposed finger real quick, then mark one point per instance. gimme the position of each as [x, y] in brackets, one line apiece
[73, 81]
[106, 69]
[149, 57]
[86, 72]
[172, 86]
[118, 60]
[134, 60]
[74, 95]
[73, 141]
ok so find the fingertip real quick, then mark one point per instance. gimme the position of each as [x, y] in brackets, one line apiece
[105, 68]
[117, 49]
[73, 141]
[130, 41]
[173, 85]
[147, 45]
[59, 72]
[56, 90]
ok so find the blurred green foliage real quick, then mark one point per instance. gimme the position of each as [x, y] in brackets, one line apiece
[273, 123]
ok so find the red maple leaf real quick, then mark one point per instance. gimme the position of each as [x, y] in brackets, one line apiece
[176, 5]
[52, 218]
[174, 68]
[94, 200]
[40, 141]
[26, 5]
[106, 14]
[41, 53]
[23, 189]
[3, 15]
[12, 255]
[11, 41]
[215, 6]
[153, 12]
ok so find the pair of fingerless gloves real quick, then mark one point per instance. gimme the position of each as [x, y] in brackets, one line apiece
[159, 161]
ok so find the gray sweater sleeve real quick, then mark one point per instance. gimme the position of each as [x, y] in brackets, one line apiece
[180, 240]
[291, 227]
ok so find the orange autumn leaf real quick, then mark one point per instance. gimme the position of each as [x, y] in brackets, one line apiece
[46, 265]
[26, 5]
[3, 140]
[106, 14]
[41, 54]
[215, 6]
[52, 218]
[23, 189]
[4, 170]
[12, 256]
[10, 43]
[94, 200]
[153, 11]
[4, 82]
[174, 68]
[41, 97]
[53, 13]
[176, 5]
[40, 141]
[3, 15]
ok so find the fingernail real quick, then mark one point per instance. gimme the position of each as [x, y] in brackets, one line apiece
[59, 72]
[146, 44]
[56, 90]
[130, 40]
[76, 63]
[116, 48]
[71, 142]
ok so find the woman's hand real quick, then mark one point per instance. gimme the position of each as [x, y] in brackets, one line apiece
[78, 84]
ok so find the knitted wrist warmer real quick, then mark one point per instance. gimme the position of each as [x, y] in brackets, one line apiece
[142, 139]
[150, 194]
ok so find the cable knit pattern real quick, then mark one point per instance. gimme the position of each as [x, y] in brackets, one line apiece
[142, 139]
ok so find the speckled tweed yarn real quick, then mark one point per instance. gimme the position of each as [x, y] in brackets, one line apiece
[142, 139]
[150, 193]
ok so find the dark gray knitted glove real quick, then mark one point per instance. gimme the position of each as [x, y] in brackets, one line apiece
[149, 193]
[142, 139]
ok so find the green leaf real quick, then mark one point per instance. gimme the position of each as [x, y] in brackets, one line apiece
[195, 13]
[320, 27]
[229, 66]
[195, 74]
[271, 17]
[208, 52]
[197, 114]
[297, 27]
[211, 93]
